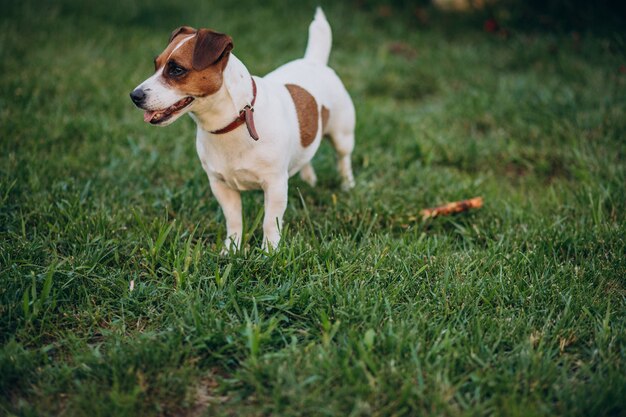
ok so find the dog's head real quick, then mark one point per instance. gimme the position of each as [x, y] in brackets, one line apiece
[190, 68]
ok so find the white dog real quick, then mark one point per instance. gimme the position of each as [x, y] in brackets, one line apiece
[253, 133]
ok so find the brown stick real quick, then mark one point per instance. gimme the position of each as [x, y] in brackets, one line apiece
[450, 208]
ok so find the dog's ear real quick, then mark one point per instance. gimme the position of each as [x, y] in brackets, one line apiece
[210, 48]
[183, 30]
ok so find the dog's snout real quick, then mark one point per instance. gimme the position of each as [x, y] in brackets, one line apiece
[138, 96]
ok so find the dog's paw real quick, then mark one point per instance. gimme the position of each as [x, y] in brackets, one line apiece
[270, 245]
[307, 174]
[230, 247]
[312, 181]
[347, 185]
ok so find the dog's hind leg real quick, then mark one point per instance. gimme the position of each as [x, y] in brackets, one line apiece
[344, 145]
[343, 142]
[340, 128]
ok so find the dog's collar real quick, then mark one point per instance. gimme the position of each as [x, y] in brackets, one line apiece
[246, 115]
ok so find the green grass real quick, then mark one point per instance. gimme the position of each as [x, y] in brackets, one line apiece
[517, 309]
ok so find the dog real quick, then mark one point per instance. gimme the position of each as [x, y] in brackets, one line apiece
[252, 132]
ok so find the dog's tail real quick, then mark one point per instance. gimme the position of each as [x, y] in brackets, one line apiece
[320, 39]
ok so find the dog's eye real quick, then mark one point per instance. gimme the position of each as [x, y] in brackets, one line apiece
[175, 70]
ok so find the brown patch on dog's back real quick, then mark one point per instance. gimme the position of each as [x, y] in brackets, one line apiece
[325, 116]
[308, 115]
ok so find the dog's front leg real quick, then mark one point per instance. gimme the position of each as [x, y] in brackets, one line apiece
[230, 201]
[275, 204]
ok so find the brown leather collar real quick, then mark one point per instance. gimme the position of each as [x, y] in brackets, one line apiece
[246, 115]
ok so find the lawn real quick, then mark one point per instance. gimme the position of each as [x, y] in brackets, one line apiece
[115, 302]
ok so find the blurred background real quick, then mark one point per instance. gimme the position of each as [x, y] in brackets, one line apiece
[455, 94]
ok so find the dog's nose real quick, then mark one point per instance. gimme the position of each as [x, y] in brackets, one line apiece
[138, 96]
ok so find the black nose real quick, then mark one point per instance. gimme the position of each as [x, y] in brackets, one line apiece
[138, 96]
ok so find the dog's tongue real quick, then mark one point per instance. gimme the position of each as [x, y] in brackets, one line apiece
[147, 116]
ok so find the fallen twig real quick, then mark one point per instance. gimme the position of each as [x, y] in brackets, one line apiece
[450, 208]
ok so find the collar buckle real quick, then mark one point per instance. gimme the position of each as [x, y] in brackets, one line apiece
[245, 116]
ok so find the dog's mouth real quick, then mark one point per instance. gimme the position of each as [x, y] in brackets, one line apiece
[159, 116]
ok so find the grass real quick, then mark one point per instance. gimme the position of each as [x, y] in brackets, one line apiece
[518, 309]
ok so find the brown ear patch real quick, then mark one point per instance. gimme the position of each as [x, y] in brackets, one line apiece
[183, 30]
[325, 116]
[306, 108]
[210, 47]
